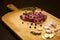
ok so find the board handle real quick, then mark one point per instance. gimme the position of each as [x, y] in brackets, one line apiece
[12, 7]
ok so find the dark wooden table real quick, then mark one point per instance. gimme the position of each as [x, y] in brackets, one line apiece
[51, 6]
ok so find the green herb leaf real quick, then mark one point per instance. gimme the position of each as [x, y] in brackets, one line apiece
[29, 8]
[35, 33]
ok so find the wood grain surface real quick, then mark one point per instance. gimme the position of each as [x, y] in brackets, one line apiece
[12, 19]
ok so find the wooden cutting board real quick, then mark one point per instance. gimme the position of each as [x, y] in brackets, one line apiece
[12, 19]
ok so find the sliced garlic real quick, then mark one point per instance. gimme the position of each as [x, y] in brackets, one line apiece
[48, 31]
[46, 27]
[56, 30]
[43, 37]
[51, 35]
[46, 35]
[40, 29]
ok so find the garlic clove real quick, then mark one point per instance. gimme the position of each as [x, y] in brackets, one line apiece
[51, 22]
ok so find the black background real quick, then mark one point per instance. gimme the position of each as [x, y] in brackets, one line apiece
[51, 6]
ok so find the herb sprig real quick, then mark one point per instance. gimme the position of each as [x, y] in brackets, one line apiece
[35, 33]
[29, 8]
